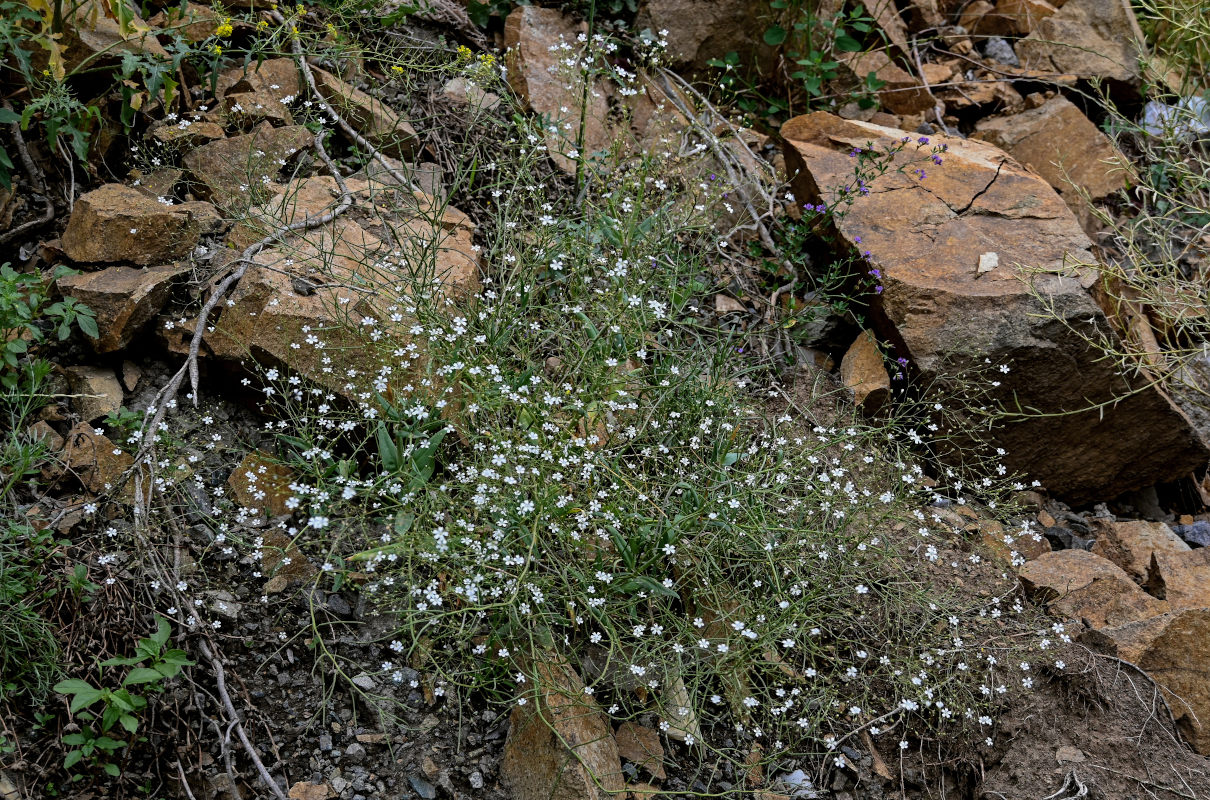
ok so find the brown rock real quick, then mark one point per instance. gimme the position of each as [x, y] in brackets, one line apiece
[863, 373]
[699, 30]
[974, 17]
[641, 746]
[536, 75]
[929, 239]
[43, 432]
[158, 183]
[465, 93]
[277, 77]
[93, 460]
[123, 299]
[92, 34]
[1014, 546]
[1174, 649]
[96, 391]
[185, 134]
[283, 562]
[131, 375]
[372, 118]
[1019, 17]
[1131, 543]
[227, 170]
[117, 223]
[1059, 143]
[1181, 578]
[1087, 38]
[903, 93]
[559, 744]
[886, 14]
[310, 791]
[1080, 584]
[194, 23]
[261, 485]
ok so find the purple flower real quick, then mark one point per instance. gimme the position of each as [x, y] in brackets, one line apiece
[923, 140]
[857, 239]
[877, 273]
[877, 290]
[937, 160]
[901, 361]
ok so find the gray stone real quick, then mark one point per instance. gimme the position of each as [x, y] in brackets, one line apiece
[998, 49]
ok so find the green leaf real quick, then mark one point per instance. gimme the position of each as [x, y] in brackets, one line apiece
[142, 675]
[72, 758]
[88, 324]
[8, 117]
[129, 722]
[112, 770]
[775, 35]
[847, 44]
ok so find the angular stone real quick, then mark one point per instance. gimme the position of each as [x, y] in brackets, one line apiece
[276, 78]
[903, 93]
[227, 171]
[863, 373]
[1080, 584]
[95, 461]
[283, 562]
[97, 391]
[1182, 578]
[261, 484]
[927, 238]
[1019, 17]
[699, 30]
[641, 746]
[194, 23]
[91, 34]
[1059, 143]
[1131, 543]
[372, 118]
[538, 40]
[185, 134]
[465, 93]
[1088, 38]
[117, 223]
[123, 299]
[1174, 649]
[559, 744]
[43, 432]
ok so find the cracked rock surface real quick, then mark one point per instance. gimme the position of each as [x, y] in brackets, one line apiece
[941, 311]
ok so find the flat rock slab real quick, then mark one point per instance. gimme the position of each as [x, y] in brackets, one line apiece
[1080, 584]
[116, 223]
[124, 299]
[947, 306]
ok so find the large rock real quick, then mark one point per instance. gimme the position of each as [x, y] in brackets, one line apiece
[230, 171]
[96, 461]
[96, 391]
[1086, 38]
[92, 34]
[903, 92]
[116, 223]
[700, 30]
[560, 744]
[1080, 584]
[1059, 143]
[1174, 649]
[863, 373]
[372, 118]
[337, 282]
[540, 40]
[1182, 578]
[1131, 543]
[947, 247]
[123, 299]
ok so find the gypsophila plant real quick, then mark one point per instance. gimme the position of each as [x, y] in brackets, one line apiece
[553, 456]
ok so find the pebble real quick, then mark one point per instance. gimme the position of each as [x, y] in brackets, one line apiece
[998, 49]
[422, 787]
[355, 752]
[476, 780]
[325, 742]
[363, 681]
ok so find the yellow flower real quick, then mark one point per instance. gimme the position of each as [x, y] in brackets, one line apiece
[224, 28]
[262, 25]
[300, 9]
[397, 69]
[218, 51]
[464, 53]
